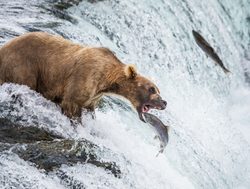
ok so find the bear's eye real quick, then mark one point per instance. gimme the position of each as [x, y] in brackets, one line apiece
[152, 90]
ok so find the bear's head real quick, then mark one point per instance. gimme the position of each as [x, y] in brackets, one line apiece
[140, 91]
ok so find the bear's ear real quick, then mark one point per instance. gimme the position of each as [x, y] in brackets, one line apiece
[130, 71]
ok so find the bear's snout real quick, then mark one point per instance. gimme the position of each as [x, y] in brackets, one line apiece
[160, 104]
[163, 104]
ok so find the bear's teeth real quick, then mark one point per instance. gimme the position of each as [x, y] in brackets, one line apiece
[145, 109]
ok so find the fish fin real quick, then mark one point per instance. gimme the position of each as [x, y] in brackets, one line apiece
[160, 152]
[156, 137]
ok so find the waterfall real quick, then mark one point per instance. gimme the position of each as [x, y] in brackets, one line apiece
[208, 111]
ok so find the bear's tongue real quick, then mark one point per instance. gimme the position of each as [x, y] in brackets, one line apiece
[145, 108]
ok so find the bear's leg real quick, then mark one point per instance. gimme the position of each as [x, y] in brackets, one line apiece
[73, 99]
[24, 74]
[93, 114]
[89, 112]
[1, 82]
[71, 109]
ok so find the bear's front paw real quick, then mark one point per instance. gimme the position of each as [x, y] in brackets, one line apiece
[71, 109]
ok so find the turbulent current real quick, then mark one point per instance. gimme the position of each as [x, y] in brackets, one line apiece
[208, 111]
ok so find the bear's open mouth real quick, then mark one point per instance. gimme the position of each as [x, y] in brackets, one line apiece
[144, 109]
[147, 107]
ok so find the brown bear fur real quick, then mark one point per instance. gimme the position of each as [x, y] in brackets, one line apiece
[69, 74]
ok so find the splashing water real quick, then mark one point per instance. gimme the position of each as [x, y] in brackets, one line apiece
[208, 111]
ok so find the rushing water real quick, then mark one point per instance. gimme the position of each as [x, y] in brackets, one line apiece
[208, 111]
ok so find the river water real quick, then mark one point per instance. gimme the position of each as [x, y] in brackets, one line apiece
[208, 111]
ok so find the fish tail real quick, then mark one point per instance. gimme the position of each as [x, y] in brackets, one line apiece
[161, 151]
[158, 154]
[226, 70]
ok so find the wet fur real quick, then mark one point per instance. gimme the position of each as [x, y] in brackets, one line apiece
[72, 75]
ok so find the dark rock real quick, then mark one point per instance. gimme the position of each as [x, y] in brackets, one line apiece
[58, 8]
[60, 13]
[8, 33]
[50, 155]
[65, 4]
[40, 26]
[14, 133]
[69, 181]
[95, 1]
[49, 151]
[248, 19]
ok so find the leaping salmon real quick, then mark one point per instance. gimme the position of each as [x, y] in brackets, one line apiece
[161, 129]
[206, 47]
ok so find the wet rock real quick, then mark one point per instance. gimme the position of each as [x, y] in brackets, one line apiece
[95, 1]
[58, 8]
[59, 13]
[15, 133]
[247, 76]
[69, 180]
[49, 151]
[40, 26]
[248, 19]
[8, 33]
[65, 4]
[50, 155]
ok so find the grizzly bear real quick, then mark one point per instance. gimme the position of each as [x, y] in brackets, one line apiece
[72, 75]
